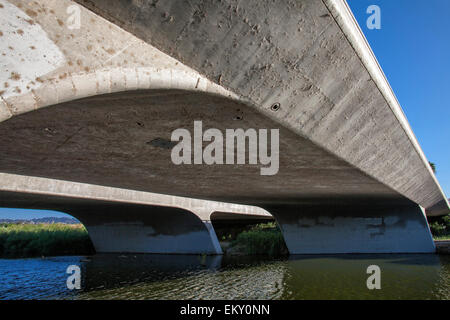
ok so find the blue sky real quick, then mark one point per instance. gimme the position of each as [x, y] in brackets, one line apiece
[6, 213]
[413, 48]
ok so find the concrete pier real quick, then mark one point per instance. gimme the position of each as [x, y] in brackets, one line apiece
[147, 229]
[354, 228]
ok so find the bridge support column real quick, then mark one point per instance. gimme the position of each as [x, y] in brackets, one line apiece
[332, 229]
[147, 229]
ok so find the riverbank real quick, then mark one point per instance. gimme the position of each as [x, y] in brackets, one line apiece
[35, 240]
[442, 246]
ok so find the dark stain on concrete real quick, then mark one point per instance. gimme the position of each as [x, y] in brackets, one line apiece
[14, 76]
[31, 13]
[162, 143]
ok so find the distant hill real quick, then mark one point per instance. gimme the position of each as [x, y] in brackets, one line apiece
[49, 220]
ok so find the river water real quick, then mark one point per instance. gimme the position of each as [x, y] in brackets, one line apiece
[410, 276]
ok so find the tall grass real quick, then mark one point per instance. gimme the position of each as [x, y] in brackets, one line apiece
[263, 239]
[30, 240]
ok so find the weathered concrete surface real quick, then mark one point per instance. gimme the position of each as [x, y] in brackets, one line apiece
[120, 220]
[114, 134]
[99, 141]
[64, 64]
[309, 56]
[356, 228]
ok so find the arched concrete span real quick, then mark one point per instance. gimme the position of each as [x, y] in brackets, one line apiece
[222, 215]
[312, 59]
[343, 141]
[47, 63]
[116, 227]
[121, 220]
[124, 140]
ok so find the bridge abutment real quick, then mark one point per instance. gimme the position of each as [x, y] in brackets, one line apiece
[337, 228]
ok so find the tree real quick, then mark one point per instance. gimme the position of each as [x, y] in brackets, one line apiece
[433, 166]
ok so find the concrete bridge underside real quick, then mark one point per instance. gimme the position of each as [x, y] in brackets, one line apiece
[120, 220]
[352, 177]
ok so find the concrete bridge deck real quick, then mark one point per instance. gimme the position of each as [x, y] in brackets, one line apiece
[96, 105]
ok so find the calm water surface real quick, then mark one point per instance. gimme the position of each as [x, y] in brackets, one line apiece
[111, 276]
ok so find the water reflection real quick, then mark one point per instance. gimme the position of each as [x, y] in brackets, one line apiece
[344, 277]
[181, 277]
[423, 276]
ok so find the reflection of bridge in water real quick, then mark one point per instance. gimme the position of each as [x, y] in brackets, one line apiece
[112, 276]
[86, 118]
[300, 277]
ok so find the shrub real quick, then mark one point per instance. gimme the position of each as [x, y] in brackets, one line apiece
[263, 239]
[438, 229]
